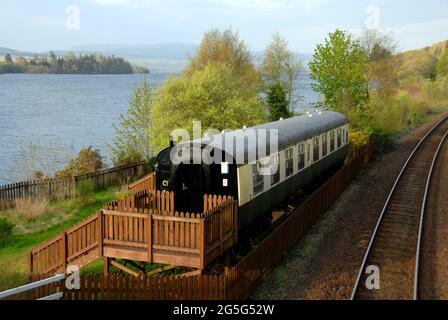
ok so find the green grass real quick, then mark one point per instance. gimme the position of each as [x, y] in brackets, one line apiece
[30, 232]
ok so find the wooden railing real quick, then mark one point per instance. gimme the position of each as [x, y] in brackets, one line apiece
[146, 183]
[161, 202]
[67, 187]
[78, 245]
[148, 235]
[221, 225]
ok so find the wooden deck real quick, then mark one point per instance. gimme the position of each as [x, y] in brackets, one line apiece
[144, 228]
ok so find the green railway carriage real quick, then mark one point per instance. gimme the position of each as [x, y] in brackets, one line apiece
[260, 166]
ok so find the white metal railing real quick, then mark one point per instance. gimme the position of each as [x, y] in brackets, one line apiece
[34, 285]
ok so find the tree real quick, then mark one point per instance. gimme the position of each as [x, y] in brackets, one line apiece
[383, 63]
[225, 47]
[8, 58]
[87, 161]
[442, 65]
[278, 103]
[215, 96]
[133, 135]
[39, 160]
[280, 66]
[339, 69]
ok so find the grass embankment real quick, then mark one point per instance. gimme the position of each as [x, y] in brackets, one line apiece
[39, 221]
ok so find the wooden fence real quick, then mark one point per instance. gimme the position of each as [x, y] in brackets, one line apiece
[68, 187]
[123, 287]
[184, 239]
[77, 245]
[147, 183]
[239, 281]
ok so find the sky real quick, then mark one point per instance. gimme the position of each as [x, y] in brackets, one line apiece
[41, 25]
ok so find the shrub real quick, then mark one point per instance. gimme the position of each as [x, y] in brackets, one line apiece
[5, 229]
[87, 161]
[359, 139]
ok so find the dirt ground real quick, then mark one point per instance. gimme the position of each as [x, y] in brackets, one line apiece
[325, 263]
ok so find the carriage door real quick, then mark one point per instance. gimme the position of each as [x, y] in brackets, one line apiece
[189, 189]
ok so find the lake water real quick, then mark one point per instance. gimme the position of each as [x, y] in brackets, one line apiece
[77, 110]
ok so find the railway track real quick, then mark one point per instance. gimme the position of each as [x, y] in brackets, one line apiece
[433, 266]
[395, 244]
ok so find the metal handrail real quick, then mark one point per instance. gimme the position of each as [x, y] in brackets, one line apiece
[34, 285]
[386, 205]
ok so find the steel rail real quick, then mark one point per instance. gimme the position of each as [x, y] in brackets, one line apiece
[422, 215]
[386, 205]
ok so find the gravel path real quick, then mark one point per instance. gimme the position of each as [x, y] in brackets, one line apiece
[325, 263]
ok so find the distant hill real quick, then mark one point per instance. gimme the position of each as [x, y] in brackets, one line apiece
[167, 51]
[5, 51]
[421, 62]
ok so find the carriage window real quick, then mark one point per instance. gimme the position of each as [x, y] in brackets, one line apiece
[324, 145]
[301, 149]
[316, 149]
[331, 141]
[339, 144]
[289, 162]
[258, 179]
[308, 152]
[275, 169]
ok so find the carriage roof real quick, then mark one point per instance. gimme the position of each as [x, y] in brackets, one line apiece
[290, 131]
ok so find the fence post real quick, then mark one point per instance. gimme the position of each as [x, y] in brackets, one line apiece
[236, 221]
[149, 219]
[220, 228]
[30, 263]
[202, 243]
[64, 251]
[100, 233]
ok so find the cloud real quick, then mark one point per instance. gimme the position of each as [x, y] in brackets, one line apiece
[427, 26]
[112, 2]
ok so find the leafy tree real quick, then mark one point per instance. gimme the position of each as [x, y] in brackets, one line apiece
[215, 96]
[442, 65]
[87, 161]
[278, 103]
[133, 135]
[383, 64]
[338, 68]
[227, 48]
[8, 58]
[280, 66]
